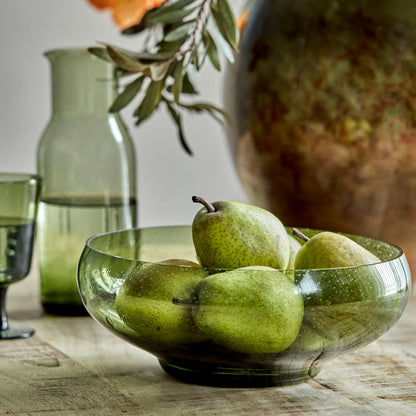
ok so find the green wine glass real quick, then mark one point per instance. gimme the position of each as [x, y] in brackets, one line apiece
[19, 197]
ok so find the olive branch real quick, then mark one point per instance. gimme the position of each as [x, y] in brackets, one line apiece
[190, 33]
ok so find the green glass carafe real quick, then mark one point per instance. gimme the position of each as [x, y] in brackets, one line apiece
[87, 161]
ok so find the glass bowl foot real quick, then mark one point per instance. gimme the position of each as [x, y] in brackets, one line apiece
[212, 375]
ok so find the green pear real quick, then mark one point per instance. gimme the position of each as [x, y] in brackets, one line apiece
[228, 234]
[252, 310]
[327, 250]
[144, 302]
[343, 281]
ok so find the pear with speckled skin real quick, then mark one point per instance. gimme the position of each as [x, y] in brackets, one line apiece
[344, 281]
[327, 250]
[255, 310]
[229, 234]
[144, 302]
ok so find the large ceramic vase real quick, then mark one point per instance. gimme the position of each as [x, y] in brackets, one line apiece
[323, 101]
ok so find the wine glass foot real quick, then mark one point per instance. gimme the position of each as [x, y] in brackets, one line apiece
[13, 332]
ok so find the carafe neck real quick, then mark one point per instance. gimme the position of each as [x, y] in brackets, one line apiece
[81, 83]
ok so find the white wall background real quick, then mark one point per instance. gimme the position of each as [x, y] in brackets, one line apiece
[167, 177]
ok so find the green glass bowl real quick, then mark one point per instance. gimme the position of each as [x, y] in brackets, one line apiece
[344, 308]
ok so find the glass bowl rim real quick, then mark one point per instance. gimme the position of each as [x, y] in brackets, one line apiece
[138, 229]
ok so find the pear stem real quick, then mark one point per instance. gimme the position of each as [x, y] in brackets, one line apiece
[299, 234]
[207, 205]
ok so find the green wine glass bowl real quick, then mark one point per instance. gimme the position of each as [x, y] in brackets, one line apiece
[242, 334]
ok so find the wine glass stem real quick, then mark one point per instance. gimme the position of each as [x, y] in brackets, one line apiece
[4, 323]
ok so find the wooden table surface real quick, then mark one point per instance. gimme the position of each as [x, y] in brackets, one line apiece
[73, 366]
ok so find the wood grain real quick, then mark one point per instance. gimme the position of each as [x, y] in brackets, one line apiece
[73, 366]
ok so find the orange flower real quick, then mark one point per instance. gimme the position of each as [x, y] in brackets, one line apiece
[126, 13]
[242, 19]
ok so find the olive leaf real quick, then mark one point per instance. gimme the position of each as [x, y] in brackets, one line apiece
[233, 34]
[158, 71]
[151, 57]
[178, 81]
[130, 91]
[100, 53]
[169, 49]
[150, 101]
[180, 39]
[212, 50]
[180, 4]
[166, 15]
[210, 109]
[226, 49]
[187, 86]
[179, 33]
[225, 21]
[125, 60]
[178, 121]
